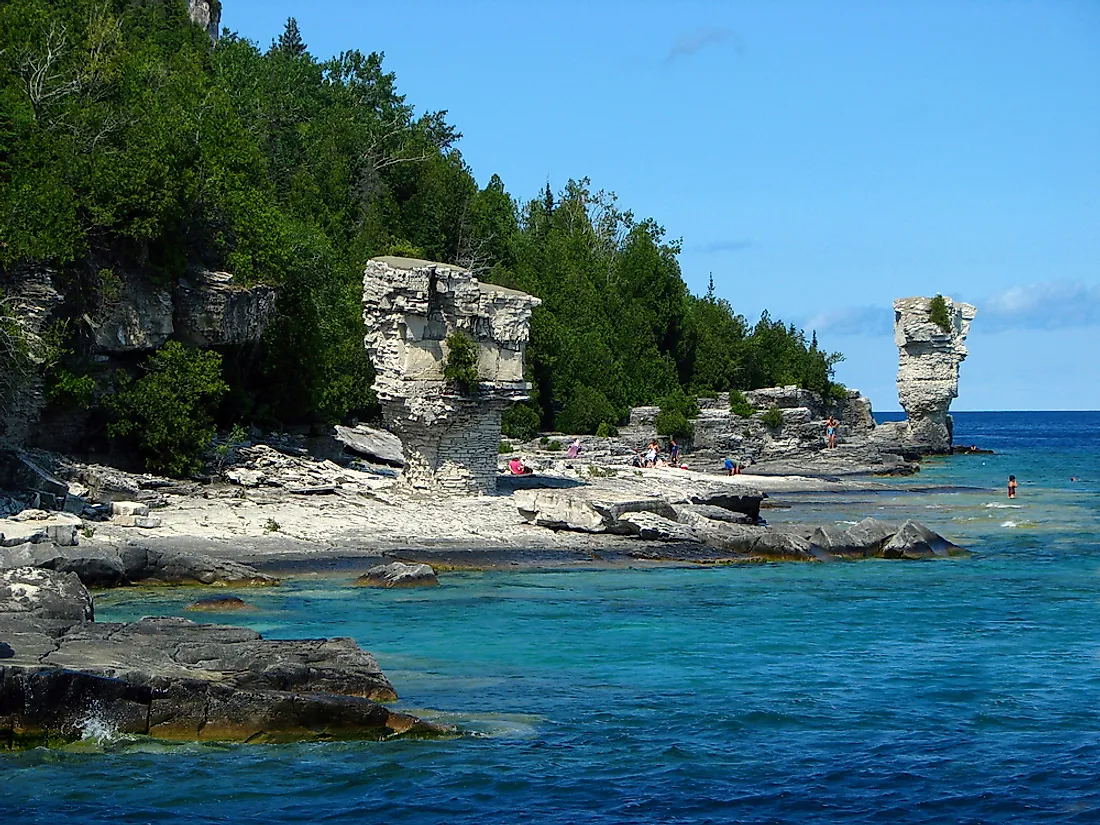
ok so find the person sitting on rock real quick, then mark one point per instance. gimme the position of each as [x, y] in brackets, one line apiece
[518, 468]
[574, 449]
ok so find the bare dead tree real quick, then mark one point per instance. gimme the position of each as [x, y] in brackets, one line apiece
[44, 73]
[20, 349]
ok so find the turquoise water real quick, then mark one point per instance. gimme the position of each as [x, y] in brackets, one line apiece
[962, 691]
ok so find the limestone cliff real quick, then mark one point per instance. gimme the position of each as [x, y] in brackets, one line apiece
[928, 369]
[205, 309]
[207, 14]
[410, 306]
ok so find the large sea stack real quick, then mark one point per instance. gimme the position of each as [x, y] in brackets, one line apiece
[929, 354]
[450, 435]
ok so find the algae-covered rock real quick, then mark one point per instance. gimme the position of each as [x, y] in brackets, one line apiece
[399, 574]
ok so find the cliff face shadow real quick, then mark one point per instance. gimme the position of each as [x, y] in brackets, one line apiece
[506, 485]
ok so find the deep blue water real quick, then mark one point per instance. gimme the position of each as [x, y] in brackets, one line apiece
[949, 691]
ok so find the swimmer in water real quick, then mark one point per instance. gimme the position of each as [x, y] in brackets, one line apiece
[1012, 486]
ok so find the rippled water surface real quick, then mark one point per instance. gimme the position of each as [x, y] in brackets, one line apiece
[963, 690]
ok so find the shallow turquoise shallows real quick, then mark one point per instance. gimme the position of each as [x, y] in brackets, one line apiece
[949, 691]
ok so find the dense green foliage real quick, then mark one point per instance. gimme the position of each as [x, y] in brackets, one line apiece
[520, 421]
[937, 313]
[460, 363]
[169, 410]
[130, 147]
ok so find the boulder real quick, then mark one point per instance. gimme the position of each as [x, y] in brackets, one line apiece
[587, 511]
[94, 566]
[107, 485]
[713, 513]
[869, 536]
[41, 526]
[915, 541]
[652, 527]
[145, 522]
[19, 472]
[781, 545]
[174, 679]
[44, 594]
[377, 445]
[148, 565]
[743, 500]
[398, 574]
[129, 508]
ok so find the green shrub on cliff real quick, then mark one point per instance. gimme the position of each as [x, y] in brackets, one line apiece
[772, 418]
[460, 363]
[674, 423]
[169, 410]
[739, 405]
[937, 313]
[606, 430]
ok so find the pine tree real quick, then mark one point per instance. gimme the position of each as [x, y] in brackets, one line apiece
[290, 41]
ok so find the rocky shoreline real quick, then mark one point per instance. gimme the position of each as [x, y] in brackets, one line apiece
[279, 506]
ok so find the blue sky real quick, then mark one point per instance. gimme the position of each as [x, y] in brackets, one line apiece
[819, 159]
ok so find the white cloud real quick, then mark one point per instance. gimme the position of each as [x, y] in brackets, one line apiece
[1047, 305]
[700, 39]
[865, 320]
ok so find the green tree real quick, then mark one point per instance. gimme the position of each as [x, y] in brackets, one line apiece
[290, 42]
[169, 410]
[938, 314]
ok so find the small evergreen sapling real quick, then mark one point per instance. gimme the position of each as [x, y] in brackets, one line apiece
[937, 313]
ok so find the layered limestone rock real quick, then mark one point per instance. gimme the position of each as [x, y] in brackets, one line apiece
[928, 369]
[205, 309]
[410, 306]
[212, 311]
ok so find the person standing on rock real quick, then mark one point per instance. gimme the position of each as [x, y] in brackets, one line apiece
[830, 432]
[673, 450]
[1012, 486]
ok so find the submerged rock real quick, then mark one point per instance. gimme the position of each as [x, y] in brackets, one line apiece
[220, 604]
[399, 574]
